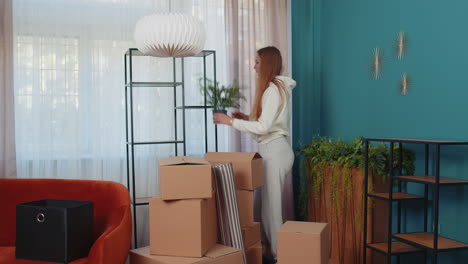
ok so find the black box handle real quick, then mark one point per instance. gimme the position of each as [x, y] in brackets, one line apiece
[40, 217]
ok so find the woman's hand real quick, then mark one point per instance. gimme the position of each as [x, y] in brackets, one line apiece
[220, 118]
[240, 115]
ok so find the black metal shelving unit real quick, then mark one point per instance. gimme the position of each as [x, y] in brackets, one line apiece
[130, 85]
[429, 243]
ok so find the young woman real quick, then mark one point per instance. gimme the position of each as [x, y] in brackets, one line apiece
[269, 121]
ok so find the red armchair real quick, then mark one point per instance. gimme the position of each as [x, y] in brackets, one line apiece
[112, 215]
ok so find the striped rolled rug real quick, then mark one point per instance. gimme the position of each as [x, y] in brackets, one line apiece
[228, 210]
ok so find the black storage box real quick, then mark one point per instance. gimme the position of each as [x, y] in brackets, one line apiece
[54, 230]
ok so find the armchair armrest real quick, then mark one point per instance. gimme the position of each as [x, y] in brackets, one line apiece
[113, 246]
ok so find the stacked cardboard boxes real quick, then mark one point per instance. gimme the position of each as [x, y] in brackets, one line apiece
[183, 220]
[248, 176]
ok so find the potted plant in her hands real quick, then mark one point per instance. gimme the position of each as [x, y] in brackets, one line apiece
[221, 97]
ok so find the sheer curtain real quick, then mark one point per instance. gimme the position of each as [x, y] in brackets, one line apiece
[69, 90]
[251, 25]
[7, 125]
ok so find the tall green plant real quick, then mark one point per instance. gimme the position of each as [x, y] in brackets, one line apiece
[341, 157]
[221, 97]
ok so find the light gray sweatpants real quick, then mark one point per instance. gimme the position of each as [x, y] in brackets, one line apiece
[278, 158]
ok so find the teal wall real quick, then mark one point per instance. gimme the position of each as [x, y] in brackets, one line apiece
[437, 62]
[332, 48]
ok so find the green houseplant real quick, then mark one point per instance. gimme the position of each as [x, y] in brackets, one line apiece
[336, 153]
[332, 181]
[221, 97]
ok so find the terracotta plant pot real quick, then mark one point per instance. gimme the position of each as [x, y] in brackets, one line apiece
[340, 204]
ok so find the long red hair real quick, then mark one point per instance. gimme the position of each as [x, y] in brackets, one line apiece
[271, 65]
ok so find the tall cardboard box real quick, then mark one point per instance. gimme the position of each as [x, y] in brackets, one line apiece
[247, 167]
[254, 254]
[185, 228]
[303, 242]
[251, 235]
[218, 254]
[245, 202]
[185, 178]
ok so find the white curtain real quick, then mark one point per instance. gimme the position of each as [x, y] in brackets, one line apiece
[69, 90]
[251, 25]
[7, 125]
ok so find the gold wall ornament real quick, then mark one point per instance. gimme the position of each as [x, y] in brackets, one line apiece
[404, 84]
[376, 66]
[401, 45]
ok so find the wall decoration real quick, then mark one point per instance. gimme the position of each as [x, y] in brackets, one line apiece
[376, 67]
[400, 47]
[170, 35]
[404, 84]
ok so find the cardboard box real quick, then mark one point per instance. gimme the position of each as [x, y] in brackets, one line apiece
[185, 178]
[247, 166]
[245, 201]
[218, 254]
[303, 242]
[251, 235]
[254, 254]
[186, 228]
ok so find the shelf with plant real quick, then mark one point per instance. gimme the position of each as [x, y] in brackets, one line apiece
[332, 177]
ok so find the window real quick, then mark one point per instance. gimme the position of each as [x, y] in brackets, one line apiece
[69, 76]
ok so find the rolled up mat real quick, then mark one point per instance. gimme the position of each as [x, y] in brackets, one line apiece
[228, 210]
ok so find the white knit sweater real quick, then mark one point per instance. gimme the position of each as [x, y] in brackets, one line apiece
[273, 122]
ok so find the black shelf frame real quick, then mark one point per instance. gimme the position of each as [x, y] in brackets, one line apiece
[130, 85]
[434, 250]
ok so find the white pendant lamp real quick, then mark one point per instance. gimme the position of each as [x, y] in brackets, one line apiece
[170, 35]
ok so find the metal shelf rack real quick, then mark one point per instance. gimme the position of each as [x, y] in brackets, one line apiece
[429, 243]
[130, 85]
